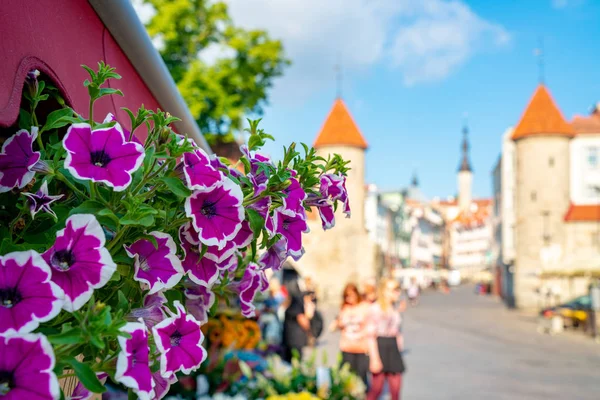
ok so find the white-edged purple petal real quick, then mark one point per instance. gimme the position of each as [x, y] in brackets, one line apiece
[17, 160]
[41, 200]
[157, 267]
[179, 341]
[133, 363]
[162, 384]
[27, 294]
[198, 171]
[274, 257]
[252, 282]
[293, 203]
[201, 270]
[26, 368]
[80, 263]
[327, 216]
[217, 214]
[199, 300]
[242, 239]
[152, 311]
[291, 229]
[102, 155]
[82, 393]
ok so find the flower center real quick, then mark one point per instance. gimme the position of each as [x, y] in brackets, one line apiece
[144, 264]
[62, 260]
[8, 298]
[286, 224]
[6, 382]
[208, 209]
[99, 158]
[175, 338]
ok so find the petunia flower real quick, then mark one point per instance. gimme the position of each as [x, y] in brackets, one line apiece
[152, 311]
[253, 281]
[41, 200]
[17, 160]
[179, 341]
[262, 206]
[157, 267]
[198, 171]
[201, 270]
[274, 257]
[327, 217]
[199, 300]
[26, 368]
[80, 263]
[242, 239]
[292, 204]
[333, 187]
[291, 229]
[27, 295]
[217, 164]
[162, 384]
[102, 155]
[82, 393]
[133, 364]
[217, 214]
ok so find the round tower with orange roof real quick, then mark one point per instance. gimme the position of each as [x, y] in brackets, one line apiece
[542, 139]
[341, 135]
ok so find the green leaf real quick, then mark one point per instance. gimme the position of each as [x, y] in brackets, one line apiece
[88, 207]
[256, 221]
[86, 376]
[146, 220]
[24, 119]
[123, 303]
[176, 186]
[109, 214]
[56, 119]
[72, 336]
[109, 91]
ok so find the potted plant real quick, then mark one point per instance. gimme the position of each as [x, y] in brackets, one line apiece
[113, 251]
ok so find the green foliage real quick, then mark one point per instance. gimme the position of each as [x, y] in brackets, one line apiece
[219, 95]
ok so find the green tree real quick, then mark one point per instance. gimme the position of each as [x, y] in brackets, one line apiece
[219, 94]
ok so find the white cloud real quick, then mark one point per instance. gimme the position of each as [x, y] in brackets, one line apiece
[425, 40]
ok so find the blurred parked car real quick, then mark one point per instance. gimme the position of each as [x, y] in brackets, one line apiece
[573, 313]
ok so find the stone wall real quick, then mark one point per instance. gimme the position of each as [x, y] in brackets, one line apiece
[542, 185]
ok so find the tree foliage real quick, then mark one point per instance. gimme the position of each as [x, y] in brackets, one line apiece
[219, 92]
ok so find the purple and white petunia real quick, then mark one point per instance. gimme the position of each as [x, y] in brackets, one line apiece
[199, 300]
[17, 160]
[80, 263]
[156, 267]
[217, 164]
[162, 384]
[292, 204]
[27, 294]
[333, 187]
[152, 311]
[217, 214]
[253, 281]
[26, 368]
[102, 155]
[201, 270]
[179, 341]
[133, 364]
[198, 171]
[274, 257]
[82, 393]
[327, 216]
[242, 239]
[291, 229]
[41, 200]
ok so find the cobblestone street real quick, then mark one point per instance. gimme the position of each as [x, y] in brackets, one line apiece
[462, 346]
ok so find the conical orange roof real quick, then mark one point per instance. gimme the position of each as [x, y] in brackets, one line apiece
[340, 129]
[542, 117]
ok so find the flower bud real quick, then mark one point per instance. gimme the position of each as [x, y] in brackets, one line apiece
[31, 80]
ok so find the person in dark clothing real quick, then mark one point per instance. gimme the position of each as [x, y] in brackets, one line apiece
[295, 325]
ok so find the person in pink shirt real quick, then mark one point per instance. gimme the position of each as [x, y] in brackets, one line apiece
[385, 341]
[352, 322]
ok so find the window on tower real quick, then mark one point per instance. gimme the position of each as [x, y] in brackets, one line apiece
[592, 157]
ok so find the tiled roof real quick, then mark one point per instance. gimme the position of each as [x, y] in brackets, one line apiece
[589, 124]
[340, 129]
[583, 213]
[542, 117]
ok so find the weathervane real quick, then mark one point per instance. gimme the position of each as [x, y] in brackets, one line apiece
[338, 77]
[539, 53]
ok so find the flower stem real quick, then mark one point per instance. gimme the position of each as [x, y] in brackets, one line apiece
[64, 180]
[113, 243]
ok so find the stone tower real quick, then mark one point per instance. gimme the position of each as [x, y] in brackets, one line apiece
[465, 175]
[344, 253]
[541, 193]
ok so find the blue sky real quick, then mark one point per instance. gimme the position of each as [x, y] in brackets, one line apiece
[408, 85]
[413, 68]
